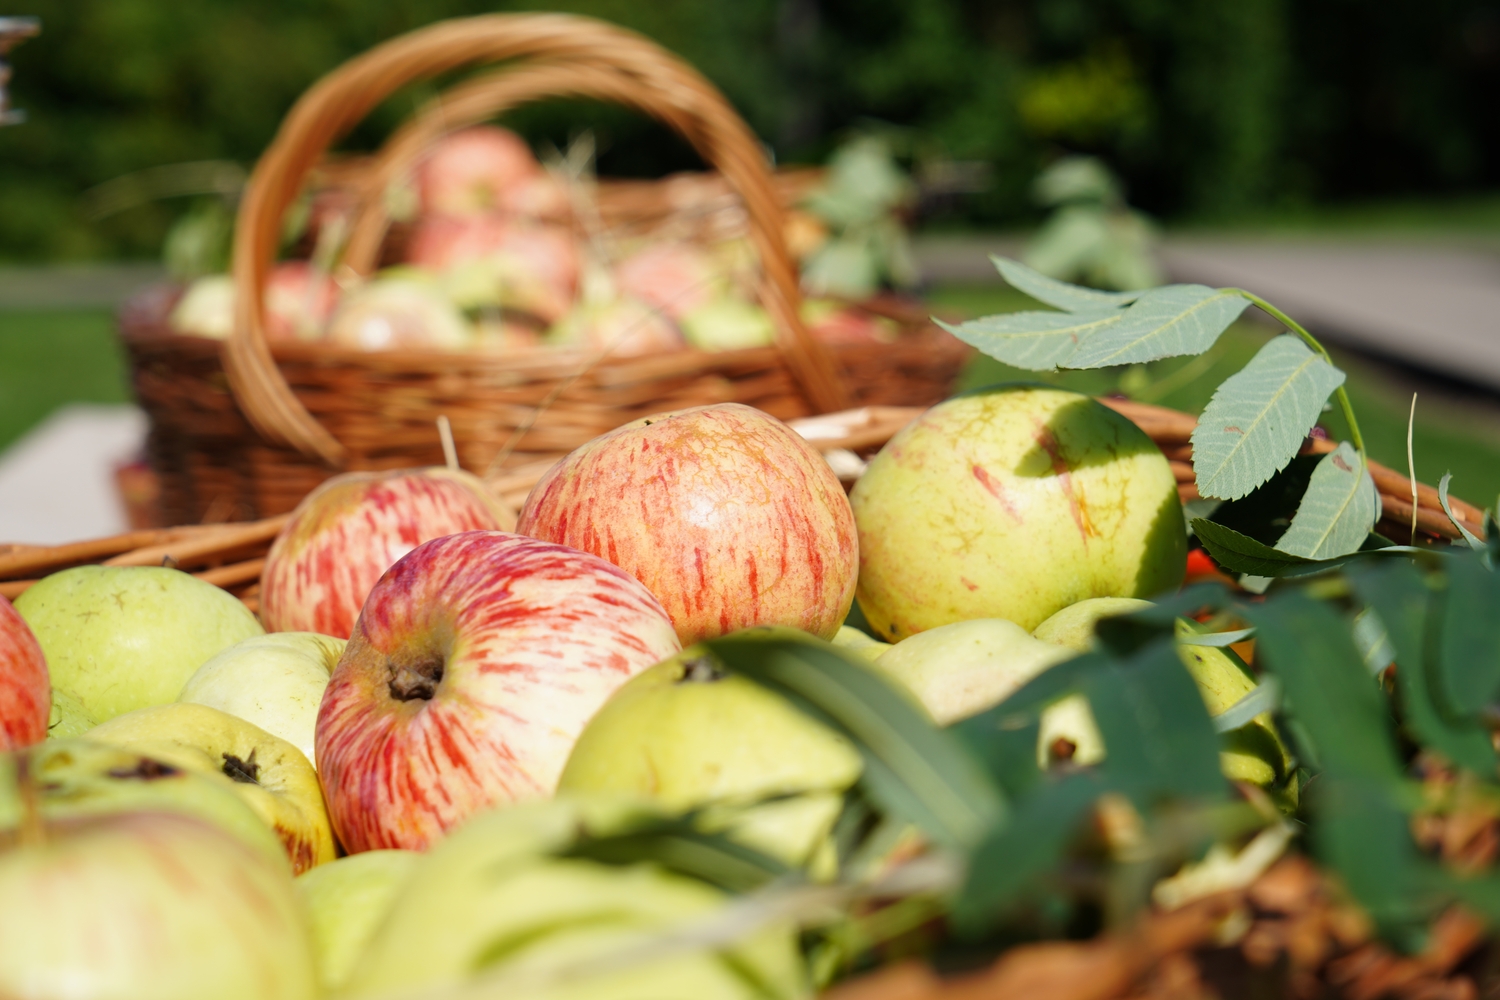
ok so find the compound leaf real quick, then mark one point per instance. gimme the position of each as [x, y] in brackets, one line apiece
[1259, 417]
[1242, 554]
[1338, 510]
[1038, 341]
[1072, 298]
[1162, 323]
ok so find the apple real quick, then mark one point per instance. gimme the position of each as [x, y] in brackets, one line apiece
[469, 171]
[852, 639]
[275, 681]
[120, 638]
[725, 513]
[269, 774]
[76, 778]
[621, 327]
[688, 735]
[68, 717]
[675, 278]
[155, 906]
[390, 314]
[1073, 626]
[472, 669]
[351, 529]
[206, 308]
[346, 900]
[495, 905]
[299, 299]
[25, 690]
[1013, 502]
[728, 324]
[488, 260]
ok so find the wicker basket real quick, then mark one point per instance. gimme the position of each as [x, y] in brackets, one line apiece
[246, 432]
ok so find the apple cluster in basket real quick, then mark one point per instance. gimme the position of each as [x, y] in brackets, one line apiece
[396, 781]
[501, 255]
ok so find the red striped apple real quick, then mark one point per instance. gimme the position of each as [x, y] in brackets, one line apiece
[25, 692]
[723, 512]
[348, 531]
[475, 664]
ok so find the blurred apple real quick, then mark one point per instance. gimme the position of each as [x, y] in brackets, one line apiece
[469, 171]
[494, 904]
[78, 778]
[691, 736]
[269, 774]
[351, 529]
[156, 906]
[206, 308]
[25, 690]
[123, 637]
[674, 278]
[487, 260]
[725, 514]
[835, 322]
[346, 900]
[1073, 626]
[620, 327]
[299, 300]
[275, 681]
[391, 314]
[473, 667]
[728, 324]
[1013, 502]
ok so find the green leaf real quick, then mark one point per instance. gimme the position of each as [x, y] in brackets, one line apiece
[1359, 831]
[912, 768]
[1264, 697]
[1397, 594]
[1338, 510]
[1126, 634]
[1259, 417]
[1469, 640]
[1159, 740]
[679, 846]
[1340, 707]
[1038, 341]
[1474, 541]
[1216, 639]
[1242, 554]
[1072, 298]
[1013, 858]
[1162, 323]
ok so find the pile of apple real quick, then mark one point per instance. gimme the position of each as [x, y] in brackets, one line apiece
[496, 261]
[373, 790]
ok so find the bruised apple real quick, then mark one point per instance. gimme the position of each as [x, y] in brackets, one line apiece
[349, 530]
[476, 662]
[723, 512]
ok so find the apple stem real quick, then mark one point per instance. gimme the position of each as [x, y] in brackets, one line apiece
[445, 433]
[32, 831]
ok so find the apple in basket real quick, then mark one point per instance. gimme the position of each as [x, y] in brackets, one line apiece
[488, 260]
[349, 530]
[469, 172]
[25, 692]
[725, 514]
[475, 664]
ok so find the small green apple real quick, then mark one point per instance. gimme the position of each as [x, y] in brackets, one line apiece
[273, 777]
[68, 718]
[1013, 502]
[493, 900]
[1073, 626]
[275, 681]
[688, 735]
[346, 900]
[859, 643]
[120, 638]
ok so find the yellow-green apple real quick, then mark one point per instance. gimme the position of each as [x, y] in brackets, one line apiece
[25, 690]
[472, 669]
[855, 641]
[346, 900]
[273, 777]
[1073, 626]
[75, 778]
[1013, 502]
[690, 736]
[351, 529]
[275, 681]
[68, 717]
[725, 514]
[620, 327]
[123, 637]
[155, 906]
[728, 324]
[494, 901]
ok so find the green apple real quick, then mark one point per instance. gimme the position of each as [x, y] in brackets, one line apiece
[273, 777]
[858, 642]
[76, 778]
[346, 901]
[275, 681]
[1073, 626]
[68, 717]
[120, 638]
[688, 735]
[1013, 502]
[493, 900]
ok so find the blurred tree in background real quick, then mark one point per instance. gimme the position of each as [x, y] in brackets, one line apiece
[1208, 109]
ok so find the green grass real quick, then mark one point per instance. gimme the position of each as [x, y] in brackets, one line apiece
[1449, 435]
[51, 358]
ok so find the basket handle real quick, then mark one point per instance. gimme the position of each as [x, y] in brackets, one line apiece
[667, 88]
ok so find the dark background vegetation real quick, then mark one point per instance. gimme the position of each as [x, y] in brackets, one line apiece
[1210, 109]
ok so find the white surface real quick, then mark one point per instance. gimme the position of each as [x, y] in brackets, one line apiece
[57, 483]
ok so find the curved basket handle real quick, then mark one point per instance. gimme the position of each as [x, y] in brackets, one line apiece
[342, 98]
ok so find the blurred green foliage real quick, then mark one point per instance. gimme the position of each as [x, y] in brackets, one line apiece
[1207, 109]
